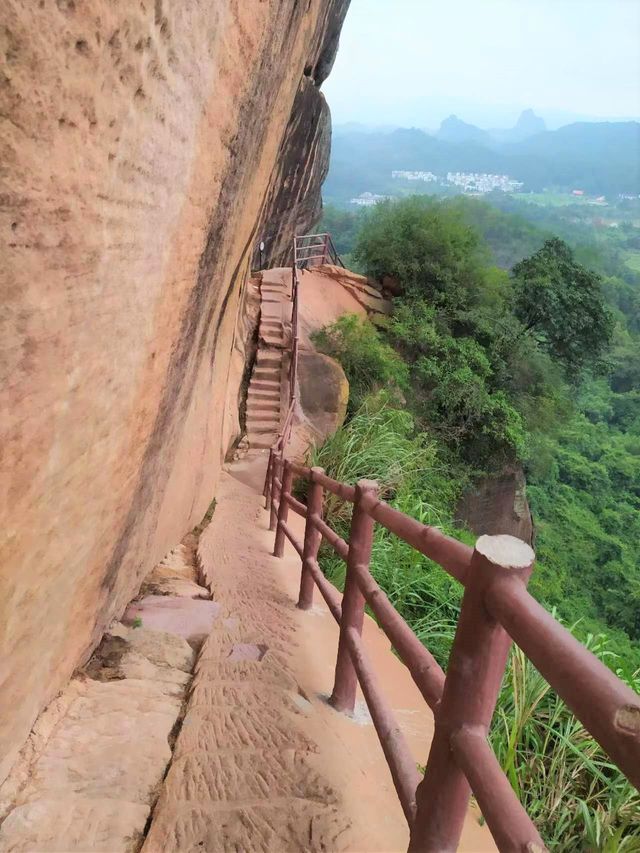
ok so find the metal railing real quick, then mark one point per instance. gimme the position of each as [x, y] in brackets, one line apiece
[496, 610]
[315, 249]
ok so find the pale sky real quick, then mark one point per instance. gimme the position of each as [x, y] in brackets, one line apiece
[414, 62]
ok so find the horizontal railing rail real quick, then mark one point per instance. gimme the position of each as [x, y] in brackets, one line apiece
[315, 247]
[496, 610]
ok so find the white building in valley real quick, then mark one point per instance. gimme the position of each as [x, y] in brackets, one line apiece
[427, 177]
[368, 199]
[478, 183]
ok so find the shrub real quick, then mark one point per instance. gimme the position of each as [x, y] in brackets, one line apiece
[369, 363]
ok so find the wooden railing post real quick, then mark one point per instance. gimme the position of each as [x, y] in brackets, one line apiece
[312, 539]
[276, 471]
[267, 482]
[343, 697]
[283, 509]
[474, 674]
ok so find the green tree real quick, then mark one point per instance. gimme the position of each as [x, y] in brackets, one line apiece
[430, 249]
[560, 303]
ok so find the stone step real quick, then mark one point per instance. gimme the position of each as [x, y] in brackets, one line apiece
[272, 392]
[272, 341]
[269, 364]
[269, 426]
[265, 385]
[261, 440]
[266, 373]
[256, 395]
[273, 311]
[265, 407]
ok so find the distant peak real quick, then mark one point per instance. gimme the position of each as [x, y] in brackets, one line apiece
[530, 122]
[454, 129]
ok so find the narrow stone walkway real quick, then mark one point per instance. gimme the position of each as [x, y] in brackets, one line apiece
[262, 762]
[243, 775]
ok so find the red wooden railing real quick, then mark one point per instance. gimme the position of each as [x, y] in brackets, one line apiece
[496, 610]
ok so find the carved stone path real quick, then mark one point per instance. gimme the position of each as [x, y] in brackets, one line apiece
[243, 775]
[262, 763]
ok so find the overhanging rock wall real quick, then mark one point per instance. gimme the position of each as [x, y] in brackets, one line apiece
[139, 144]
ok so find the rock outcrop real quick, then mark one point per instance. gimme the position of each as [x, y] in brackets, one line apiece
[326, 293]
[142, 147]
[324, 393]
[498, 504]
[294, 204]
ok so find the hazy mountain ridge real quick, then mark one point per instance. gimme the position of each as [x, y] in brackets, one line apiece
[454, 129]
[596, 157]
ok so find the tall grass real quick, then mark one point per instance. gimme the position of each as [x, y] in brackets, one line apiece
[577, 798]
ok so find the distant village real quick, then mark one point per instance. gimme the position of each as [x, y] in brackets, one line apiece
[470, 183]
[473, 183]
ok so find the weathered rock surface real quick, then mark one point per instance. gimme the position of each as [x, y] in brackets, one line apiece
[175, 575]
[290, 200]
[324, 393]
[140, 145]
[95, 762]
[186, 617]
[498, 504]
[294, 203]
[328, 292]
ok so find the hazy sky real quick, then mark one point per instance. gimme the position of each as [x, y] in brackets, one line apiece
[416, 61]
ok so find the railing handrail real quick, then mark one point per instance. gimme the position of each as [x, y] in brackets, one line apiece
[327, 255]
[496, 609]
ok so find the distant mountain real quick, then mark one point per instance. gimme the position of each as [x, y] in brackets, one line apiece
[599, 158]
[455, 130]
[358, 127]
[528, 124]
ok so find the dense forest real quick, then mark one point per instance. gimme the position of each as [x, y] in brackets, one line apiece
[508, 345]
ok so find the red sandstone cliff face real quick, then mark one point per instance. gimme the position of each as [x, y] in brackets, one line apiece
[294, 204]
[142, 149]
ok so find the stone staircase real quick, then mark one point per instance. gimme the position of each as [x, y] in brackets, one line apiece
[264, 410]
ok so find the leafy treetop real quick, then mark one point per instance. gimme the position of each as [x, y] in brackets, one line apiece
[560, 303]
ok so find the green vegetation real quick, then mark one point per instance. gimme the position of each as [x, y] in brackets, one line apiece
[469, 375]
[554, 199]
[560, 303]
[633, 261]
